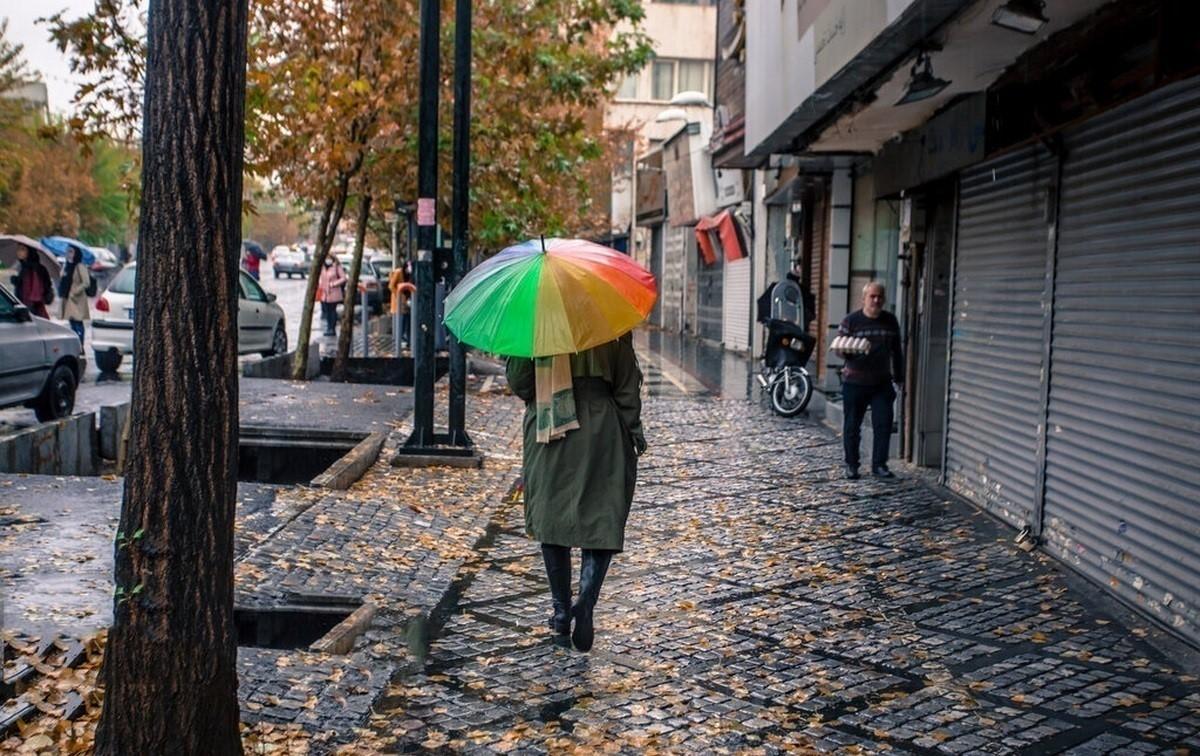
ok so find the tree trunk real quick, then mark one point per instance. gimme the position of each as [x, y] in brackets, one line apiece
[331, 216]
[169, 668]
[352, 296]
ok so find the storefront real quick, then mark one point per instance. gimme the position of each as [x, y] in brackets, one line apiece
[1074, 375]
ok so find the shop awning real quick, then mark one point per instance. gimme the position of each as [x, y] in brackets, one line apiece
[720, 228]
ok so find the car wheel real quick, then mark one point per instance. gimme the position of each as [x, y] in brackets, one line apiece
[277, 274]
[58, 397]
[278, 342]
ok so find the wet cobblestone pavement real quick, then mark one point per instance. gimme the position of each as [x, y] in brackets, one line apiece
[763, 604]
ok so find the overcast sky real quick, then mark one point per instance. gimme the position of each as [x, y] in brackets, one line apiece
[40, 53]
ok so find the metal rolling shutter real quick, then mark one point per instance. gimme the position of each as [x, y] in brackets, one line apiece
[736, 330]
[670, 286]
[1122, 491]
[709, 300]
[656, 267]
[997, 334]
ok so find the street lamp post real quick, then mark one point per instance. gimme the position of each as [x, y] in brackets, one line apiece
[427, 143]
[460, 215]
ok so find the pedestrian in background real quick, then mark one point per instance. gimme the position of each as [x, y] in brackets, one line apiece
[867, 379]
[402, 289]
[74, 288]
[331, 291]
[32, 282]
[252, 257]
[583, 435]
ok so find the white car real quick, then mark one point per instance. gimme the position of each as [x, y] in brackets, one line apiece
[366, 279]
[261, 325]
[40, 361]
[284, 259]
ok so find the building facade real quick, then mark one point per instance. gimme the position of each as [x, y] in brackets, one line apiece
[1023, 178]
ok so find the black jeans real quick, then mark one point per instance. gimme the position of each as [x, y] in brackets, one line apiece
[855, 400]
[329, 313]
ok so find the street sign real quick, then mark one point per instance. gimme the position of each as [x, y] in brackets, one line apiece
[426, 211]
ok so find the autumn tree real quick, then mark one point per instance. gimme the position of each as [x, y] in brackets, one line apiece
[332, 97]
[169, 669]
[49, 184]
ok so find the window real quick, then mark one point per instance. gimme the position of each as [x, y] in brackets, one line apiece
[629, 88]
[8, 310]
[662, 80]
[693, 76]
[251, 290]
[125, 281]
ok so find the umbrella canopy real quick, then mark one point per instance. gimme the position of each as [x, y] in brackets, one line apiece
[8, 253]
[556, 296]
[60, 244]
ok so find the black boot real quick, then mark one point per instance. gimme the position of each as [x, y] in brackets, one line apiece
[558, 572]
[592, 570]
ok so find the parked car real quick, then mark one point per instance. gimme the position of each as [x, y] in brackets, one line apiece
[40, 362]
[367, 278]
[105, 267]
[289, 261]
[261, 324]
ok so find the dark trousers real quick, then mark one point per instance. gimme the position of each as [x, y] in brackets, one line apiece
[77, 327]
[855, 400]
[329, 313]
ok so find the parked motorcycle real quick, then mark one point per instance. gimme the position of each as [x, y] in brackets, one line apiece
[784, 377]
[786, 311]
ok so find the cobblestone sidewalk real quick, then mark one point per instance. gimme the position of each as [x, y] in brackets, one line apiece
[764, 604]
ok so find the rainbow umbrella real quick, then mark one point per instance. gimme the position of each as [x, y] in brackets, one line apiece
[555, 296]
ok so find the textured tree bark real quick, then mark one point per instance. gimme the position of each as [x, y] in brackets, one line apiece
[331, 216]
[169, 668]
[338, 373]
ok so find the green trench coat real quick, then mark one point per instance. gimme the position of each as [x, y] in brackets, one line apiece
[578, 488]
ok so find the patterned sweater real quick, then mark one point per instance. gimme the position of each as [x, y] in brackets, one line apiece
[884, 362]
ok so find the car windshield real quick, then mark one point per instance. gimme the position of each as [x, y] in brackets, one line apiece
[383, 267]
[124, 282]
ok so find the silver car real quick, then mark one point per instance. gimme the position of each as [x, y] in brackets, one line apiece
[40, 362]
[261, 325]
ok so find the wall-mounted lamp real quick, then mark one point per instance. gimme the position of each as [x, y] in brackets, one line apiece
[922, 84]
[1025, 16]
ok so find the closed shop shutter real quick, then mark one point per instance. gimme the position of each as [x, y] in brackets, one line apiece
[709, 299]
[997, 333]
[670, 286]
[656, 267]
[736, 331]
[1122, 487]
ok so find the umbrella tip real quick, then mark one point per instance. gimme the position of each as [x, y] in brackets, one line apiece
[543, 238]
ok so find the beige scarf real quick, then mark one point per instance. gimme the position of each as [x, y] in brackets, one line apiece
[554, 397]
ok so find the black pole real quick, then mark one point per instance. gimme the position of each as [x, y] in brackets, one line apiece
[427, 157]
[459, 213]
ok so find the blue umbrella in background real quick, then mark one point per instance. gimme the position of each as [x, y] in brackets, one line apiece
[60, 244]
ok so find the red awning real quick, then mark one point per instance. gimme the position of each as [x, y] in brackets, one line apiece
[723, 225]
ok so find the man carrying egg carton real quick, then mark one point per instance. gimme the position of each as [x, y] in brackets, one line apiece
[868, 341]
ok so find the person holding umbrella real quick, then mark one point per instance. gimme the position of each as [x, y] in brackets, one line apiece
[33, 283]
[74, 288]
[562, 312]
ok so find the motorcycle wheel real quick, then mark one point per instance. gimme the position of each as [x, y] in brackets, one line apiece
[791, 403]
